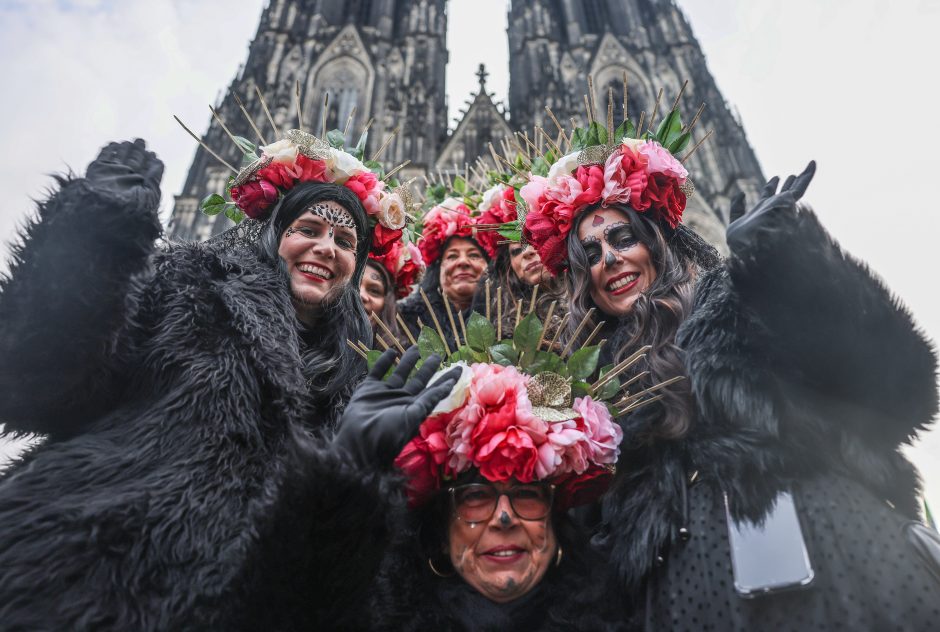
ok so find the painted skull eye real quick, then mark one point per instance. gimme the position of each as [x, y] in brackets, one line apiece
[592, 248]
[620, 236]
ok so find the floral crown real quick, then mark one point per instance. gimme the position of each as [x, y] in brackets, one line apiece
[400, 259]
[519, 411]
[272, 170]
[607, 166]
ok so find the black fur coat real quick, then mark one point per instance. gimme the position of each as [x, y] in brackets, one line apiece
[807, 375]
[183, 485]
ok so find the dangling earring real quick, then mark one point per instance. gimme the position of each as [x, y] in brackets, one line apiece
[437, 572]
[557, 556]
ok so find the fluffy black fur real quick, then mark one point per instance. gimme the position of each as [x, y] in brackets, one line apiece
[805, 372]
[180, 488]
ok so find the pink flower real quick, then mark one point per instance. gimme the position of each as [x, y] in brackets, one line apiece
[616, 190]
[306, 169]
[591, 179]
[368, 189]
[532, 191]
[661, 161]
[422, 458]
[565, 449]
[602, 435]
[449, 219]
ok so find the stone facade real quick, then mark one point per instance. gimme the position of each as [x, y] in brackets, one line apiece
[388, 57]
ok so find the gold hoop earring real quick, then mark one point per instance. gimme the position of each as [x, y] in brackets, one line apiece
[437, 572]
[557, 556]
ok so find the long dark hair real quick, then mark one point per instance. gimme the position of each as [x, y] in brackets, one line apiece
[329, 365]
[654, 319]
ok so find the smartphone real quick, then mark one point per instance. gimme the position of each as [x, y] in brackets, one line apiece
[771, 556]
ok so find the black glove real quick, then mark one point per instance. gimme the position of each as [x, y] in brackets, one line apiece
[382, 416]
[127, 172]
[770, 217]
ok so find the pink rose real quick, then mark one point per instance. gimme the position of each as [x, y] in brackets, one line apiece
[602, 435]
[532, 191]
[661, 161]
[368, 189]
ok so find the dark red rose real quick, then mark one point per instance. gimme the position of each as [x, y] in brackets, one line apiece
[406, 278]
[255, 198]
[575, 490]
[666, 198]
[384, 238]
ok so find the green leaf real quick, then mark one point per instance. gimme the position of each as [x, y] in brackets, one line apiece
[460, 185]
[580, 389]
[583, 362]
[246, 146]
[579, 139]
[610, 389]
[336, 138]
[372, 165]
[463, 353]
[372, 356]
[212, 204]
[625, 130]
[360, 149]
[248, 159]
[597, 134]
[430, 342]
[544, 361]
[510, 234]
[480, 333]
[527, 333]
[679, 143]
[503, 354]
[670, 129]
[234, 213]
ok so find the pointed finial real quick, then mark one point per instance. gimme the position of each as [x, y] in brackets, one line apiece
[482, 75]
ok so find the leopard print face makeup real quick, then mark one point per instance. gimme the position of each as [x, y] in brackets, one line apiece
[334, 215]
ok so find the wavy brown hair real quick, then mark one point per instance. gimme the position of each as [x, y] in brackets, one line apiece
[654, 319]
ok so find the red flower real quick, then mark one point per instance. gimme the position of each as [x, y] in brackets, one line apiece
[255, 198]
[580, 489]
[440, 224]
[501, 446]
[406, 278]
[383, 239]
[423, 457]
[591, 178]
[277, 174]
[543, 233]
[307, 169]
[366, 187]
[664, 195]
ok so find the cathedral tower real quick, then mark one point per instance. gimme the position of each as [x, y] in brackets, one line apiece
[555, 44]
[385, 57]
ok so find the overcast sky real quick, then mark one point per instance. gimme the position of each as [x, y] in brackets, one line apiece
[850, 84]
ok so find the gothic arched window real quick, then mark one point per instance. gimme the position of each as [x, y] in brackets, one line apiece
[345, 79]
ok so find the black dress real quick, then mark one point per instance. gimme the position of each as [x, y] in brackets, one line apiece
[183, 485]
[807, 377]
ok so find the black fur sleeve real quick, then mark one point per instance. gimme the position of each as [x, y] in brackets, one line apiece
[61, 301]
[326, 543]
[834, 328]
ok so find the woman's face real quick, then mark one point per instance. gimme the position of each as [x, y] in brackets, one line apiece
[504, 557]
[372, 289]
[462, 265]
[319, 249]
[526, 264]
[621, 266]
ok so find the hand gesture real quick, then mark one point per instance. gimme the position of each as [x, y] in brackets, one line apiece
[770, 217]
[129, 173]
[383, 416]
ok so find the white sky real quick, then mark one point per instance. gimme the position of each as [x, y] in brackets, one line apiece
[850, 84]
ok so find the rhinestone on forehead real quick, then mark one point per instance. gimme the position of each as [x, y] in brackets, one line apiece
[335, 215]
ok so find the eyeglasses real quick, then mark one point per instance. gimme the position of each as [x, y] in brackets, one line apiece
[477, 502]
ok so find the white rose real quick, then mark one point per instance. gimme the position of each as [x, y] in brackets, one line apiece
[564, 166]
[632, 143]
[458, 394]
[344, 165]
[283, 151]
[393, 211]
[489, 195]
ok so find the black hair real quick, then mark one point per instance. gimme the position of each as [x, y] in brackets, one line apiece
[330, 366]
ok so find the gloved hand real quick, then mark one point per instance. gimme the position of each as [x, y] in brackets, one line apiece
[770, 217]
[382, 416]
[127, 172]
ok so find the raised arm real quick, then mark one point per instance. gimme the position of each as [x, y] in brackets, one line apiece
[830, 324]
[63, 297]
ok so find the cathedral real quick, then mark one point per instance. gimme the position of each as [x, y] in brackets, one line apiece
[383, 64]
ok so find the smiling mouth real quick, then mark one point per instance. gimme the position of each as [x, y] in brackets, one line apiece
[622, 283]
[316, 271]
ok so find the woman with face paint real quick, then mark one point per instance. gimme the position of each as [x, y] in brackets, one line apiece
[456, 262]
[779, 423]
[488, 544]
[187, 395]
[388, 277]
